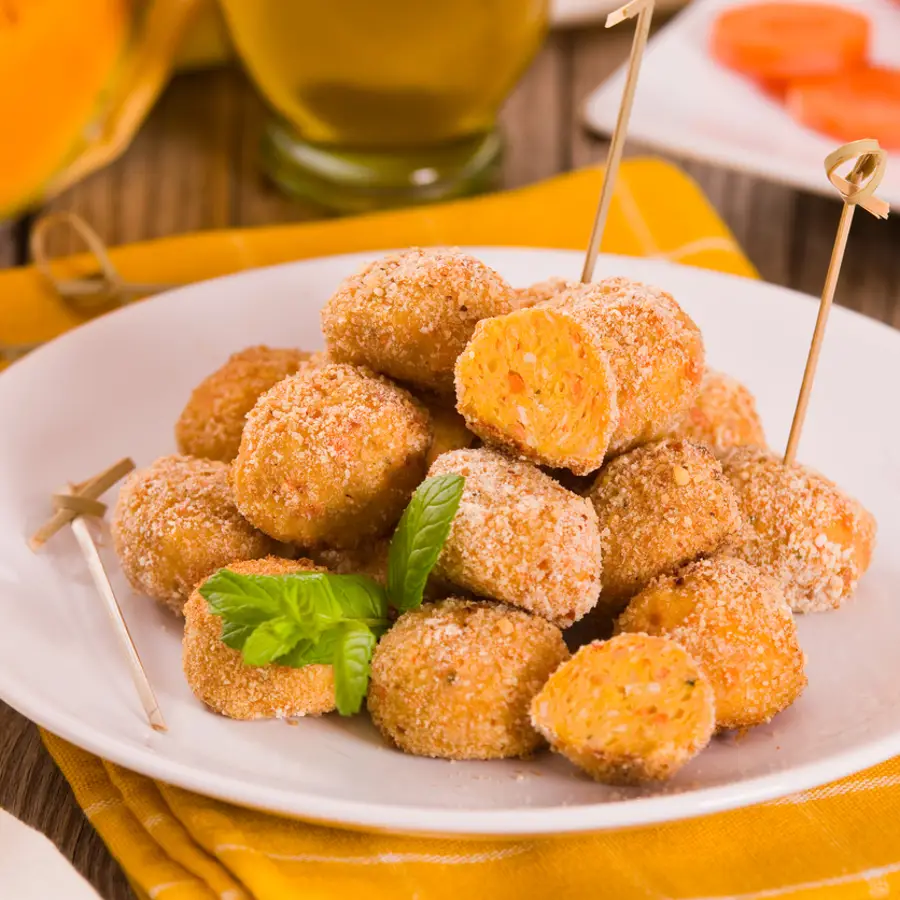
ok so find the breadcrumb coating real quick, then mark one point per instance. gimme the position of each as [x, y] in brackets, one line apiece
[723, 416]
[448, 428]
[175, 522]
[658, 507]
[211, 423]
[219, 677]
[410, 314]
[330, 457]
[540, 385]
[455, 679]
[520, 537]
[655, 349]
[736, 623]
[525, 297]
[628, 710]
[801, 529]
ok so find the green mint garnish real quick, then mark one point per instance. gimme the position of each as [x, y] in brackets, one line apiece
[355, 645]
[420, 537]
[301, 619]
[308, 618]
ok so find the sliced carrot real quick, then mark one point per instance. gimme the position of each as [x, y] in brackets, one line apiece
[774, 88]
[864, 103]
[781, 41]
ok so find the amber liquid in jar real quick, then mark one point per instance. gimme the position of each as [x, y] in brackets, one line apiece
[406, 92]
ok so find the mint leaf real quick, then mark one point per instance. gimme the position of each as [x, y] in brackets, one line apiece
[352, 659]
[270, 640]
[359, 597]
[243, 599]
[235, 635]
[420, 537]
[308, 653]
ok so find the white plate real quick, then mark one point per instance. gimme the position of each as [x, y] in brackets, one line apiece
[573, 13]
[114, 387]
[688, 104]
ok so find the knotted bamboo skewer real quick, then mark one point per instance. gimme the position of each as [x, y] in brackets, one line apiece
[72, 506]
[643, 9]
[104, 289]
[857, 189]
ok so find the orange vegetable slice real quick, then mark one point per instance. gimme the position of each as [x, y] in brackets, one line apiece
[864, 103]
[784, 41]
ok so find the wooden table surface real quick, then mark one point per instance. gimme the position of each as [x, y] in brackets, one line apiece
[194, 166]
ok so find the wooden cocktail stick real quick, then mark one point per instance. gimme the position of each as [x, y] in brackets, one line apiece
[91, 489]
[857, 189]
[643, 9]
[72, 506]
[104, 588]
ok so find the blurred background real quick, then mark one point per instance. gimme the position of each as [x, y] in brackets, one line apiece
[154, 117]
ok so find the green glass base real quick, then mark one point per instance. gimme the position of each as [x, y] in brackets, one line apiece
[356, 181]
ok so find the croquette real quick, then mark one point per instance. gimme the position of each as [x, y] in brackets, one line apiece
[455, 679]
[737, 625]
[448, 429]
[410, 314]
[539, 384]
[655, 349]
[520, 537]
[723, 416]
[801, 529]
[658, 507]
[175, 523]
[628, 710]
[330, 457]
[595, 369]
[541, 291]
[211, 423]
[219, 677]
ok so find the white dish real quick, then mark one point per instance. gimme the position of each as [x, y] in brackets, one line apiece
[573, 13]
[114, 387]
[690, 105]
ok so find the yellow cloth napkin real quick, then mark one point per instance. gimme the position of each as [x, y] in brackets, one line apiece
[837, 841]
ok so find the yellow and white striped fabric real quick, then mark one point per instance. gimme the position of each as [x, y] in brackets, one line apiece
[840, 841]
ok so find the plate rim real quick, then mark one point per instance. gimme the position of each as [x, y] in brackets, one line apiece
[520, 823]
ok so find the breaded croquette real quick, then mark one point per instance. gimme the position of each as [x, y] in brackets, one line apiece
[410, 314]
[175, 523]
[539, 384]
[211, 423]
[658, 507]
[801, 529]
[330, 457]
[520, 537]
[655, 349]
[455, 679]
[737, 625]
[723, 416]
[631, 709]
[219, 677]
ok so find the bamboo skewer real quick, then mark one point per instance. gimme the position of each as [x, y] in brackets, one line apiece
[857, 189]
[107, 281]
[643, 9]
[86, 295]
[72, 506]
[104, 588]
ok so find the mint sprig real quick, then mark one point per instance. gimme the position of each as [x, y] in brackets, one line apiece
[307, 618]
[420, 537]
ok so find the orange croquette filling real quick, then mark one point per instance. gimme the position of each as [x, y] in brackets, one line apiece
[629, 707]
[538, 380]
